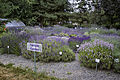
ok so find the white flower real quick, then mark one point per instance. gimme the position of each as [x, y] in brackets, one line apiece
[7, 46]
[60, 53]
[77, 46]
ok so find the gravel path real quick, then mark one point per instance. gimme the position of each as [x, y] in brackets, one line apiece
[69, 70]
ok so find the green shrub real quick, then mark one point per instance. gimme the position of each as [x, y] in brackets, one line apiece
[94, 31]
[97, 49]
[112, 31]
[63, 34]
[116, 55]
[86, 33]
[102, 31]
[108, 31]
[50, 52]
[12, 40]
[2, 26]
[33, 31]
[68, 25]
[74, 41]
[73, 35]
[118, 32]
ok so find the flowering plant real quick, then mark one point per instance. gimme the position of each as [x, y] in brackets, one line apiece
[52, 50]
[73, 41]
[97, 49]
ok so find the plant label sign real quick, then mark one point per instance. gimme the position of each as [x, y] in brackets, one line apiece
[77, 46]
[116, 60]
[34, 47]
[97, 60]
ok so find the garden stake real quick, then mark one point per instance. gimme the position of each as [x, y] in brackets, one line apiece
[35, 65]
[34, 47]
[97, 61]
[96, 66]
[8, 49]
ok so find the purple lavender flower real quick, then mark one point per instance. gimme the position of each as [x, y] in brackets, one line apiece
[96, 43]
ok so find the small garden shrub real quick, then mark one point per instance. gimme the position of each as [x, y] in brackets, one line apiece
[73, 35]
[94, 31]
[102, 31]
[116, 56]
[73, 41]
[2, 26]
[63, 34]
[118, 32]
[108, 31]
[52, 50]
[34, 31]
[12, 40]
[86, 33]
[97, 49]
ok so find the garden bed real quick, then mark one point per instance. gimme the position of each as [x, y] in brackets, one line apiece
[60, 50]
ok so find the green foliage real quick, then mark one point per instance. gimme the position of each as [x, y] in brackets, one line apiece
[72, 45]
[108, 31]
[13, 42]
[94, 30]
[112, 12]
[33, 31]
[2, 27]
[73, 35]
[69, 73]
[116, 55]
[16, 72]
[90, 51]
[33, 12]
[1, 35]
[63, 34]
[75, 42]
[13, 9]
[103, 31]
[50, 52]
[86, 33]
[118, 32]
[68, 25]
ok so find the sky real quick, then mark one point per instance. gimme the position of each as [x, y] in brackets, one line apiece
[74, 1]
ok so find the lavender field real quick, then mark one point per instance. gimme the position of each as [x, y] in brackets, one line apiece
[66, 52]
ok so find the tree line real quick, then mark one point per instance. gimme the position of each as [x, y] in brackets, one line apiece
[49, 12]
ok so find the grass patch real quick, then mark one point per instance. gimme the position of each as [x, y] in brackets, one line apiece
[69, 73]
[8, 72]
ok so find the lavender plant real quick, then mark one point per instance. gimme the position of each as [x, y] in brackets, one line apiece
[52, 50]
[97, 49]
[73, 41]
[116, 55]
[12, 40]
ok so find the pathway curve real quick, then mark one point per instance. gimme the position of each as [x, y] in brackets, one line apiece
[70, 70]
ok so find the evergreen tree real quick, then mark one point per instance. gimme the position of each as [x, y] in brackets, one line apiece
[112, 12]
[51, 11]
[20, 9]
